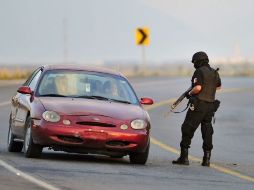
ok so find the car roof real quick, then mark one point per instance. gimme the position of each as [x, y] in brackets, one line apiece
[82, 68]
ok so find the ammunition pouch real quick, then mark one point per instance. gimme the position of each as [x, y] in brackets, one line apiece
[216, 105]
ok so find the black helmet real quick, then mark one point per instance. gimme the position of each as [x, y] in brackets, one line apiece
[200, 57]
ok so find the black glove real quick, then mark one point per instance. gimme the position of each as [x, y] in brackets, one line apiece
[187, 95]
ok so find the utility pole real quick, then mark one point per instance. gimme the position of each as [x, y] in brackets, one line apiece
[65, 41]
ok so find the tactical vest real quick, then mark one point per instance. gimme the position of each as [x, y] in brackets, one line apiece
[210, 81]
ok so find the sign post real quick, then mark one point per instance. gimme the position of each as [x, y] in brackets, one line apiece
[143, 39]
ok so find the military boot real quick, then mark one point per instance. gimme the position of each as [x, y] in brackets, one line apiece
[183, 159]
[206, 158]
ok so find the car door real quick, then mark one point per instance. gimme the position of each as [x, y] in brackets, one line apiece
[21, 105]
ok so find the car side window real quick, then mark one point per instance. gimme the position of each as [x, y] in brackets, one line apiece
[34, 81]
[28, 81]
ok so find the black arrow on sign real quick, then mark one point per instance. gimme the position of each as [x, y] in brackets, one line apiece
[144, 36]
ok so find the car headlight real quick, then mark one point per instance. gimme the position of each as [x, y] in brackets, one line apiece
[51, 116]
[138, 124]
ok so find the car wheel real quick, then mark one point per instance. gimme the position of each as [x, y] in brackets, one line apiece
[140, 158]
[31, 150]
[12, 145]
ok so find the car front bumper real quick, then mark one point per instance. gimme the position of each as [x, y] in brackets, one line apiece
[89, 138]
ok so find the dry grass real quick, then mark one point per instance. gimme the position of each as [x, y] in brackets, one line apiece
[12, 74]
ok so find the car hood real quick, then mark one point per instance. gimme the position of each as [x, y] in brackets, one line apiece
[78, 106]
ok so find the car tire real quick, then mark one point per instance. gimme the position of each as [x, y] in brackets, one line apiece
[140, 158]
[31, 150]
[12, 145]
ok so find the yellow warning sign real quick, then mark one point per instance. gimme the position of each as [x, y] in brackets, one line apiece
[143, 36]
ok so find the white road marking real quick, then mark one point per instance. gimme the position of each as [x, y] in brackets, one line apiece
[27, 177]
[19, 173]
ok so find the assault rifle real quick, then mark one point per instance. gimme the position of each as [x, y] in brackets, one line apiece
[178, 101]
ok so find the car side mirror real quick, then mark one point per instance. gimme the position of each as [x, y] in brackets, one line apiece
[25, 90]
[146, 101]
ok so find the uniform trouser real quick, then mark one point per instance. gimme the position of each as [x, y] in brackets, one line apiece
[202, 114]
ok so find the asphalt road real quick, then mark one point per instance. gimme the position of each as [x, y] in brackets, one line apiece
[232, 157]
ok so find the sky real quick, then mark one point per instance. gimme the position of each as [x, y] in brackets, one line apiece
[104, 30]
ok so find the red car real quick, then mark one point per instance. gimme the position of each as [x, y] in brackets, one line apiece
[81, 110]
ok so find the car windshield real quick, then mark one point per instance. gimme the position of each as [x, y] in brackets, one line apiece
[84, 84]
